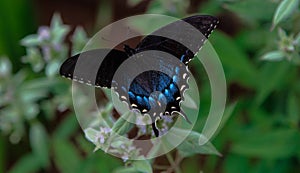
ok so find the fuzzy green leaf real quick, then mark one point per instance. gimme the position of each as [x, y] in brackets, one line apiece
[190, 145]
[66, 156]
[5, 67]
[39, 143]
[26, 164]
[122, 126]
[273, 56]
[142, 166]
[139, 166]
[79, 40]
[58, 29]
[91, 134]
[284, 10]
[275, 144]
[52, 68]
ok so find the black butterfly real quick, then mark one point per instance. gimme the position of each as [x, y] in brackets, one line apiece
[168, 86]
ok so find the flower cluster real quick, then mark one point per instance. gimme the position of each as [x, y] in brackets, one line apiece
[288, 48]
[102, 135]
[126, 150]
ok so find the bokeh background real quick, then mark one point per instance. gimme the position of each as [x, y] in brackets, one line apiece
[257, 42]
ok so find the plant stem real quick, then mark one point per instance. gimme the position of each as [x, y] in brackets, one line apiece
[175, 166]
[161, 167]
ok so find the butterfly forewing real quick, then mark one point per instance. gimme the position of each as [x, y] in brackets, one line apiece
[180, 38]
[94, 67]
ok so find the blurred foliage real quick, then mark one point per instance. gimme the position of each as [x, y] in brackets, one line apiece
[16, 22]
[260, 128]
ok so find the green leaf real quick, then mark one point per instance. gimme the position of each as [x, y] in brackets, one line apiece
[282, 34]
[236, 63]
[237, 163]
[275, 144]
[36, 89]
[26, 164]
[138, 166]
[210, 7]
[104, 15]
[271, 77]
[125, 170]
[276, 55]
[31, 110]
[227, 114]
[67, 127]
[91, 134]
[5, 67]
[40, 84]
[142, 166]
[48, 108]
[172, 7]
[31, 40]
[34, 57]
[79, 40]
[297, 39]
[40, 144]
[122, 126]
[58, 29]
[293, 110]
[85, 145]
[66, 157]
[190, 145]
[251, 11]
[284, 10]
[52, 68]
[28, 96]
[253, 40]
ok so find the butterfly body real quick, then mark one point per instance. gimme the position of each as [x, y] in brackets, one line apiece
[150, 83]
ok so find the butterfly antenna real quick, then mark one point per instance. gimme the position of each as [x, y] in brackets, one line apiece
[182, 113]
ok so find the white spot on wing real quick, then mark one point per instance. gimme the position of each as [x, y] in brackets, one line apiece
[184, 75]
[182, 87]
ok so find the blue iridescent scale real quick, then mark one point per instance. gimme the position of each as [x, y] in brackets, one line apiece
[140, 96]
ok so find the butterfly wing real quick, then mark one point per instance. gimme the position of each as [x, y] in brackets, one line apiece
[171, 37]
[94, 67]
[98, 67]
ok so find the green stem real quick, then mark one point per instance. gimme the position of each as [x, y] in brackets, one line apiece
[160, 167]
[174, 165]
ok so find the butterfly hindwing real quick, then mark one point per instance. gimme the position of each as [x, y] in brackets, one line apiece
[168, 93]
